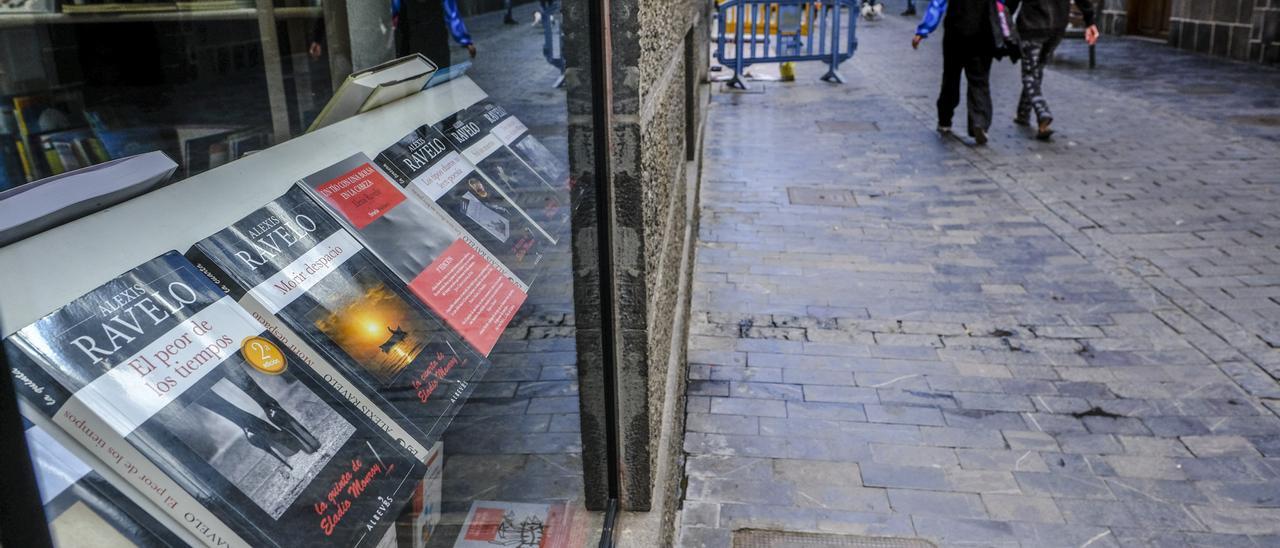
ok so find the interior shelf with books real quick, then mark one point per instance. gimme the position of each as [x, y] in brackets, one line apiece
[203, 85]
[267, 353]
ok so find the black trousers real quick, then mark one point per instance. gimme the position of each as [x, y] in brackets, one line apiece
[960, 56]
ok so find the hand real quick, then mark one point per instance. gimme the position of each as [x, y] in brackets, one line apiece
[1091, 35]
[915, 42]
[315, 50]
[471, 49]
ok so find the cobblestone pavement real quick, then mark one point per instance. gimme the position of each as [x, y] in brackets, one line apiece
[1028, 344]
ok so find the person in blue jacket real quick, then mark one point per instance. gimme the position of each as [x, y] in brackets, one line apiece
[423, 26]
[968, 48]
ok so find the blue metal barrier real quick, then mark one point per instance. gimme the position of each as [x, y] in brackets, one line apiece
[551, 36]
[779, 31]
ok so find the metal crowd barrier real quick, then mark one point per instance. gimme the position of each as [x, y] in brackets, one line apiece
[551, 36]
[779, 31]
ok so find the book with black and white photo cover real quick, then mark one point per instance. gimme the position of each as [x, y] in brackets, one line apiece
[301, 273]
[188, 398]
[469, 132]
[443, 266]
[430, 169]
[513, 133]
[82, 507]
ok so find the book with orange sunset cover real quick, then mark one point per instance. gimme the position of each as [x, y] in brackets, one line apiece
[317, 288]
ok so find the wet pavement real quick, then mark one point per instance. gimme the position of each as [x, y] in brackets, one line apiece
[1072, 343]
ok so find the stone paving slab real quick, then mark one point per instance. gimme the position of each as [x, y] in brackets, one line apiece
[1072, 343]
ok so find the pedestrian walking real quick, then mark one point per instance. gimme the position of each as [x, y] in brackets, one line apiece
[1041, 26]
[968, 48]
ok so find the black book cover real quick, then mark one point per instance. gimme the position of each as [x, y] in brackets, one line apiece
[512, 132]
[469, 132]
[378, 345]
[180, 391]
[82, 507]
[424, 163]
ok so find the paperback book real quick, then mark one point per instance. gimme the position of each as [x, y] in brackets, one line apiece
[318, 289]
[442, 265]
[469, 132]
[430, 169]
[513, 133]
[83, 508]
[184, 395]
[516, 524]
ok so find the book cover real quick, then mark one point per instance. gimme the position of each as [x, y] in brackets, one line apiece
[177, 389]
[82, 507]
[516, 524]
[291, 263]
[513, 133]
[443, 267]
[469, 132]
[429, 168]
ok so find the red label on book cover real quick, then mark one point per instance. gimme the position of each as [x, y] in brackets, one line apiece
[484, 524]
[361, 195]
[472, 295]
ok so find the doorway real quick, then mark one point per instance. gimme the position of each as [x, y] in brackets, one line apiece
[1149, 18]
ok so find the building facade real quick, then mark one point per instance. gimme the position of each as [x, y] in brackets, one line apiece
[1245, 30]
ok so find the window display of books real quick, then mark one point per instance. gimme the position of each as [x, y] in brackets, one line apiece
[287, 380]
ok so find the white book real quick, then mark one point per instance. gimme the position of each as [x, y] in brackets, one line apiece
[371, 88]
[33, 208]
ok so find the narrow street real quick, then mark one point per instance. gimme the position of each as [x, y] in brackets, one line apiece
[1072, 343]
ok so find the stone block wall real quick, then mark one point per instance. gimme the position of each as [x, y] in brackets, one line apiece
[655, 103]
[1217, 27]
[1245, 30]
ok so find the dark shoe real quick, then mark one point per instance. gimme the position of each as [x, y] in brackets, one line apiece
[1043, 132]
[979, 135]
[1022, 119]
[509, 20]
[270, 440]
[909, 12]
[283, 420]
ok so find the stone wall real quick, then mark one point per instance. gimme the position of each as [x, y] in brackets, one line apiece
[1246, 30]
[655, 107]
[1217, 27]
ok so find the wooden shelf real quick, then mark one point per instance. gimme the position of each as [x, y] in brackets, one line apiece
[246, 14]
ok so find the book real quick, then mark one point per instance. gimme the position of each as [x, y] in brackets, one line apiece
[51, 111]
[317, 288]
[442, 265]
[187, 397]
[371, 88]
[513, 133]
[470, 133]
[70, 150]
[417, 522]
[35, 207]
[536, 525]
[82, 507]
[431, 170]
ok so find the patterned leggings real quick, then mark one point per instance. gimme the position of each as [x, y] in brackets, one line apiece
[1036, 53]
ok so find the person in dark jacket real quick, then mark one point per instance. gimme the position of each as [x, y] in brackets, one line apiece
[1041, 25]
[968, 48]
[424, 26]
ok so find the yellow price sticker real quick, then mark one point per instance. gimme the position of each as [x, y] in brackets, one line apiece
[263, 355]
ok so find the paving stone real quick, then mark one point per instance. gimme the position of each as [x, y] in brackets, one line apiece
[1062, 485]
[906, 477]
[904, 414]
[1219, 446]
[954, 532]
[1022, 508]
[749, 406]
[914, 455]
[916, 503]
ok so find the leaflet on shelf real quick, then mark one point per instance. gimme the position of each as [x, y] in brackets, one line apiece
[187, 397]
[443, 266]
[321, 292]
